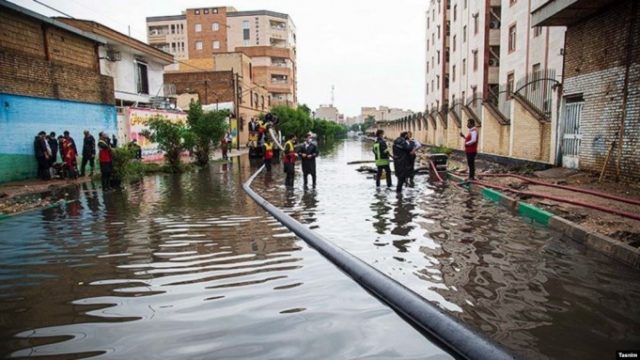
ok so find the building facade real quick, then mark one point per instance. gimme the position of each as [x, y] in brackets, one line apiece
[327, 112]
[169, 34]
[267, 37]
[437, 55]
[600, 100]
[49, 81]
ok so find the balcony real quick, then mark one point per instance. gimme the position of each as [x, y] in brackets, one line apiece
[494, 75]
[157, 38]
[279, 43]
[278, 25]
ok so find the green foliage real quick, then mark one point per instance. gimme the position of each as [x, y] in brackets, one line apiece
[441, 149]
[369, 123]
[355, 127]
[122, 161]
[170, 137]
[299, 122]
[204, 131]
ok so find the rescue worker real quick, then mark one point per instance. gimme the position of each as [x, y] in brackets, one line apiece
[471, 147]
[268, 154]
[308, 153]
[88, 153]
[381, 152]
[106, 160]
[402, 153]
[289, 159]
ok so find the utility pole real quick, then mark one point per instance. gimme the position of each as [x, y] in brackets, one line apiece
[236, 82]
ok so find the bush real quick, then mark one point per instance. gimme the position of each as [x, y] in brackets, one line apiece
[170, 137]
[122, 160]
[441, 149]
[205, 131]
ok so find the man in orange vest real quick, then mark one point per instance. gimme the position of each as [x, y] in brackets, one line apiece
[471, 147]
[289, 160]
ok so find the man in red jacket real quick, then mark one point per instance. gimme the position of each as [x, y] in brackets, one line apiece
[106, 161]
[471, 147]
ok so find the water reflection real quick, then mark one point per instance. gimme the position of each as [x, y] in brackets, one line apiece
[530, 289]
[183, 267]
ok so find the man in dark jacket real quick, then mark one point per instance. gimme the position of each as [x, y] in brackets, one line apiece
[88, 152]
[402, 153]
[308, 152]
[53, 145]
[42, 155]
[381, 152]
[106, 158]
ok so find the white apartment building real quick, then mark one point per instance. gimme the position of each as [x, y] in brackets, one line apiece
[169, 34]
[384, 113]
[437, 55]
[529, 55]
[260, 28]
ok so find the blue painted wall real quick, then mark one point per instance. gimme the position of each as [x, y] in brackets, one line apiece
[22, 117]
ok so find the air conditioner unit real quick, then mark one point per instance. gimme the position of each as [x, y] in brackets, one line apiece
[494, 62]
[113, 55]
[494, 24]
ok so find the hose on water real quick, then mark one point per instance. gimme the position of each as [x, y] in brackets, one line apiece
[454, 336]
[435, 170]
[570, 188]
[561, 199]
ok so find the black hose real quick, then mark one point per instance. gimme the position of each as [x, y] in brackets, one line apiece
[460, 340]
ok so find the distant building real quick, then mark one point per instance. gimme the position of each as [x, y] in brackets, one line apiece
[50, 80]
[327, 112]
[600, 101]
[383, 113]
[267, 37]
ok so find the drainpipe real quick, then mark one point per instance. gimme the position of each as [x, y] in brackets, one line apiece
[625, 91]
[559, 136]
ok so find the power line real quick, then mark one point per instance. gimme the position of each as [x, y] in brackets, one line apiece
[52, 8]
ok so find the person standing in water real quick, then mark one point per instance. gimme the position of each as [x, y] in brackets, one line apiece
[471, 147]
[382, 154]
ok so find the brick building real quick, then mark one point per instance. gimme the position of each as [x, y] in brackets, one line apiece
[601, 92]
[229, 81]
[267, 37]
[49, 80]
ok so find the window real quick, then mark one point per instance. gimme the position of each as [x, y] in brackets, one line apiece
[475, 23]
[142, 78]
[438, 81]
[453, 74]
[512, 38]
[173, 29]
[245, 24]
[509, 85]
[427, 66]
[427, 23]
[197, 12]
[433, 15]
[511, 2]
[475, 60]
[453, 43]
[537, 31]
[464, 34]
[433, 39]
[455, 12]
[438, 31]
[198, 27]
[262, 101]
[216, 44]
[464, 66]
[214, 10]
[198, 45]
[536, 75]
[205, 11]
[465, 4]
[215, 26]
[438, 56]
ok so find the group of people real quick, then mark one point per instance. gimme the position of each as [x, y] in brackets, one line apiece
[306, 152]
[403, 154]
[47, 148]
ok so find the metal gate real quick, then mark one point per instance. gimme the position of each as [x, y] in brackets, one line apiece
[571, 136]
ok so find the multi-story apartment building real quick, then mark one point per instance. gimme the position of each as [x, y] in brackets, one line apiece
[531, 58]
[383, 113]
[267, 37]
[327, 112]
[437, 55]
[169, 34]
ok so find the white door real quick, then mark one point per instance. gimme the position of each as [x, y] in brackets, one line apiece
[571, 136]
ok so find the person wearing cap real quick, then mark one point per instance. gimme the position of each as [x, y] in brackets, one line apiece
[308, 153]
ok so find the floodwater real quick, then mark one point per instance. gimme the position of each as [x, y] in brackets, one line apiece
[182, 267]
[537, 293]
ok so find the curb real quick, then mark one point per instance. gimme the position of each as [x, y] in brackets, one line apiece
[606, 245]
[58, 203]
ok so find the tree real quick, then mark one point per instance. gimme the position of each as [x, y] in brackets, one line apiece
[170, 137]
[205, 130]
[369, 122]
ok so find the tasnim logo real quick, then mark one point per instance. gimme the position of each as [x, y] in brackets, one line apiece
[627, 355]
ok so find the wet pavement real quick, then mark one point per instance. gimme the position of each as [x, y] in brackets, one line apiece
[182, 267]
[541, 295]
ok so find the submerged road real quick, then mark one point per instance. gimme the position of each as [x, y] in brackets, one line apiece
[187, 266]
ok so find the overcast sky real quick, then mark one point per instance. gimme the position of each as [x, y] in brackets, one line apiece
[371, 50]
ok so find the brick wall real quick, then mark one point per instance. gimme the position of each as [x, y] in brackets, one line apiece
[218, 85]
[595, 68]
[526, 133]
[37, 59]
[454, 140]
[494, 136]
[441, 132]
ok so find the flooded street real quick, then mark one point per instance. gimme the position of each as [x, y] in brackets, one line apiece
[190, 267]
[537, 293]
[183, 267]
